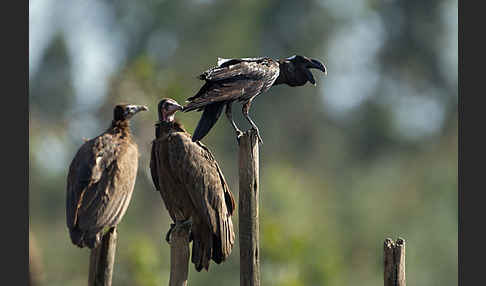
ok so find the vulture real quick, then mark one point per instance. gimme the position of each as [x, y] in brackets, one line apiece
[192, 187]
[101, 179]
[243, 79]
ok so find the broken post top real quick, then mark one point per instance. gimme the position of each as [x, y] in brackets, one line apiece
[389, 243]
[394, 262]
[248, 137]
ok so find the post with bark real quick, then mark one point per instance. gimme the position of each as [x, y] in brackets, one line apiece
[179, 255]
[248, 209]
[102, 260]
[394, 262]
[36, 273]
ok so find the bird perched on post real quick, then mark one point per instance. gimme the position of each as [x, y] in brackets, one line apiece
[242, 80]
[101, 179]
[192, 187]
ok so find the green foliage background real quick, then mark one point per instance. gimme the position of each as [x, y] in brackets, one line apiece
[334, 181]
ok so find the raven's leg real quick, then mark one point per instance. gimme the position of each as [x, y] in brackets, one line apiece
[245, 110]
[178, 224]
[230, 118]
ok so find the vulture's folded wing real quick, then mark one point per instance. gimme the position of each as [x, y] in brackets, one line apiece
[90, 163]
[153, 166]
[195, 168]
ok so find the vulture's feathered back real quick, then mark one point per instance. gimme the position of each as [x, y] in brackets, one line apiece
[192, 186]
[242, 80]
[101, 179]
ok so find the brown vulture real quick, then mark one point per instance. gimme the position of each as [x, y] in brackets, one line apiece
[192, 187]
[101, 179]
[242, 80]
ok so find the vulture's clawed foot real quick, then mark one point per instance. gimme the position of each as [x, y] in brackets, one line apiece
[186, 225]
[167, 235]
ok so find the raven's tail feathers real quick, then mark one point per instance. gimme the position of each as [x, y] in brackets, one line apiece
[210, 115]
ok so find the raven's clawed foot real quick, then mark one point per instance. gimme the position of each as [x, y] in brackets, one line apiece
[239, 133]
[258, 135]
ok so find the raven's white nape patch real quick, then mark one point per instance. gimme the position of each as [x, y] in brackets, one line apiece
[222, 61]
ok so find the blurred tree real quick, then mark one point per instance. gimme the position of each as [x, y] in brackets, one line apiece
[50, 89]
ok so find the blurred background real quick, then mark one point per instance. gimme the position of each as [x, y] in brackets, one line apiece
[369, 153]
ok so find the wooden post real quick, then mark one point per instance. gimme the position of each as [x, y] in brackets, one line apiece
[394, 262]
[248, 209]
[36, 273]
[179, 255]
[102, 260]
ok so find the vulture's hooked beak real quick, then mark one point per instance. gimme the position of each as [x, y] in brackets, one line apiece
[139, 108]
[174, 107]
[131, 110]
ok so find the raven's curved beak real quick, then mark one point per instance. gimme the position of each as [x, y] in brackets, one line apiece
[315, 64]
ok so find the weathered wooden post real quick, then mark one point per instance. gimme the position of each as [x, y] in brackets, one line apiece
[394, 262]
[179, 254]
[35, 266]
[102, 260]
[248, 209]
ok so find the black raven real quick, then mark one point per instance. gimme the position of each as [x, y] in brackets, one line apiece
[242, 80]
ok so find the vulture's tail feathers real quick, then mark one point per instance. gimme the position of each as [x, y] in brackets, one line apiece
[83, 239]
[209, 117]
[77, 236]
[223, 244]
[201, 247]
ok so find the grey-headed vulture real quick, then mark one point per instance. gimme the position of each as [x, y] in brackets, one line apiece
[101, 179]
[192, 187]
[242, 80]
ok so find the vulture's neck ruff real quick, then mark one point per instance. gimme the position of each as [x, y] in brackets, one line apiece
[121, 126]
[167, 117]
[165, 127]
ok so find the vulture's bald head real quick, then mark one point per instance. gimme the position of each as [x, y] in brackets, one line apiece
[167, 108]
[126, 111]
